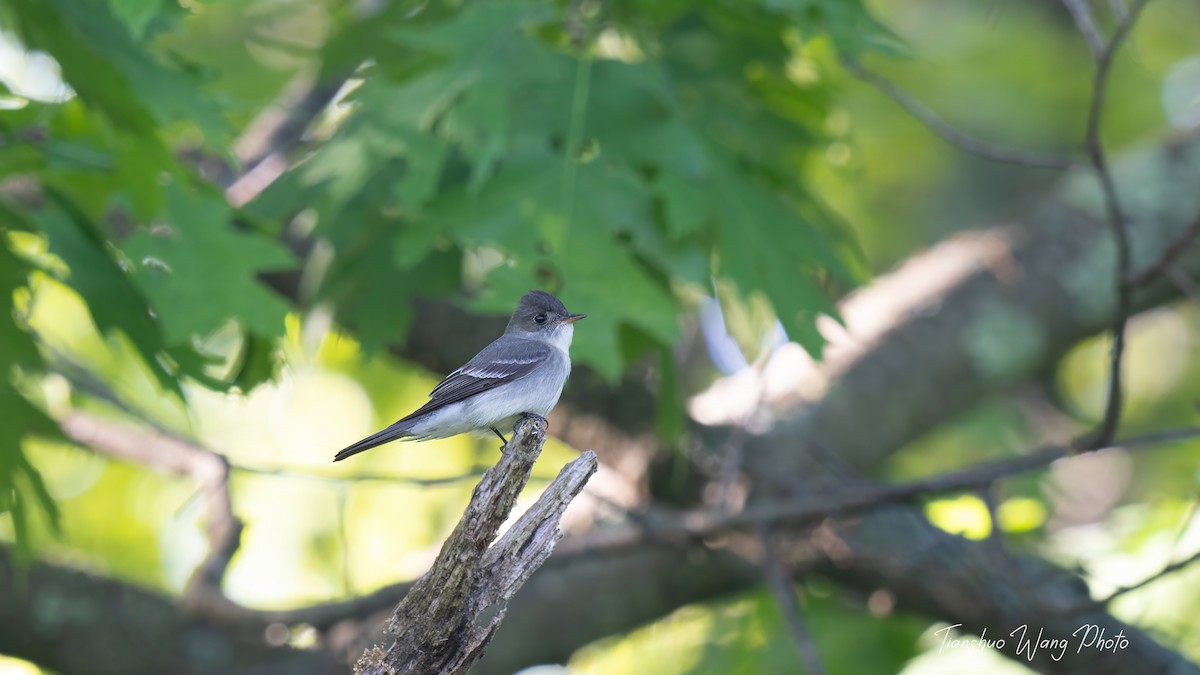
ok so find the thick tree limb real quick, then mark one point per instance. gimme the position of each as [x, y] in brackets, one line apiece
[73, 622]
[448, 617]
[984, 311]
[922, 348]
[964, 582]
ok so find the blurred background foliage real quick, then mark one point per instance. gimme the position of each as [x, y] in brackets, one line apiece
[622, 155]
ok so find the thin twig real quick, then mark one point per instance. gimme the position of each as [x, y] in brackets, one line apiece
[1094, 146]
[951, 134]
[1102, 602]
[1081, 11]
[391, 479]
[781, 586]
[1170, 254]
[1184, 283]
[856, 499]
[987, 494]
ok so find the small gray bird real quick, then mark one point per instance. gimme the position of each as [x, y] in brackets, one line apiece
[521, 373]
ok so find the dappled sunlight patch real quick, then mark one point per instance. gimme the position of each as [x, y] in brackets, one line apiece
[1134, 543]
[11, 666]
[315, 412]
[966, 515]
[394, 530]
[1157, 343]
[69, 471]
[279, 561]
[1021, 514]
[236, 424]
[748, 634]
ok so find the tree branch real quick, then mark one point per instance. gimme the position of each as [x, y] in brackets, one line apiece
[964, 582]
[850, 499]
[73, 622]
[1081, 11]
[951, 134]
[447, 619]
[1117, 221]
[785, 593]
[1178, 246]
[1165, 571]
[172, 455]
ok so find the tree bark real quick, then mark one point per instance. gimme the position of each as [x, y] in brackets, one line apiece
[75, 622]
[448, 617]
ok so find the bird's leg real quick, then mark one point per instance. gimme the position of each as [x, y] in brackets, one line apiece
[502, 438]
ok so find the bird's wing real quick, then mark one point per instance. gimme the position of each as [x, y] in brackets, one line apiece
[490, 368]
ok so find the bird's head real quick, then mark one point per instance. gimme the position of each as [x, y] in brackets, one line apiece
[542, 316]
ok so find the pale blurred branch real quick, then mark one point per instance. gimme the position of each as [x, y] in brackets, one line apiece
[266, 143]
[448, 617]
[358, 477]
[951, 134]
[172, 455]
[1081, 11]
[1119, 10]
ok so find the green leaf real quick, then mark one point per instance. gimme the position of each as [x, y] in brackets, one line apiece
[16, 345]
[764, 246]
[199, 273]
[373, 294]
[256, 362]
[111, 72]
[685, 204]
[604, 281]
[21, 486]
[503, 211]
[669, 412]
[848, 23]
[424, 157]
[113, 301]
[140, 15]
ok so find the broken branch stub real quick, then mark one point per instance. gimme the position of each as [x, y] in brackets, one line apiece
[444, 623]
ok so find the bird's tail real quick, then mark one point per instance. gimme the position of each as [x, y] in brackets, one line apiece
[396, 431]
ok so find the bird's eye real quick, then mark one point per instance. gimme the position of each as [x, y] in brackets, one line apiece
[540, 318]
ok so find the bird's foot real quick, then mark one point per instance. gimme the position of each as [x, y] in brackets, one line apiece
[502, 438]
[535, 416]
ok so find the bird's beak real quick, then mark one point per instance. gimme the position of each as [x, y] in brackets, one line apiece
[572, 318]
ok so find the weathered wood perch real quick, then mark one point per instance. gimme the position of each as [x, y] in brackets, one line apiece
[444, 624]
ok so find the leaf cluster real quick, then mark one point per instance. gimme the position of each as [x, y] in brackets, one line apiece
[617, 154]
